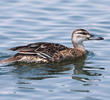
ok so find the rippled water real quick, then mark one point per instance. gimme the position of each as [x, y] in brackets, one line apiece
[27, 21]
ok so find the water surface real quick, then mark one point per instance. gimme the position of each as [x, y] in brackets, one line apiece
[28, 21]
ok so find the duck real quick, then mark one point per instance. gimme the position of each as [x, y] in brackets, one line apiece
[45, 52]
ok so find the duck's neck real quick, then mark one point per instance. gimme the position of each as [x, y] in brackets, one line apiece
[79, 46]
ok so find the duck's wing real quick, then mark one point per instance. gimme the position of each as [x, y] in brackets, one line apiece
[42, 49]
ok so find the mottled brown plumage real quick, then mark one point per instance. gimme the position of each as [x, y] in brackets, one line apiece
[44, 52]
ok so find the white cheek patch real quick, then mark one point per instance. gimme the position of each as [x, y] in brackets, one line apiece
[79, 38]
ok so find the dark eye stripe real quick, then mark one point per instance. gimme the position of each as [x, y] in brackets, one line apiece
[83, 33]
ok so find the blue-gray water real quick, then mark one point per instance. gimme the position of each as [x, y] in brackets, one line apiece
[28, 21]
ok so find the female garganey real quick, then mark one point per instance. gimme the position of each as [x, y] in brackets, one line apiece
[44, 52]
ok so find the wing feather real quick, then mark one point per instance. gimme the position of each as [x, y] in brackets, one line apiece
[42, 49]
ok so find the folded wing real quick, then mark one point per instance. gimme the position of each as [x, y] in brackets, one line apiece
[42, 49]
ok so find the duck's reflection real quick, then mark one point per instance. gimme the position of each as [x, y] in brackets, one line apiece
[81, 71]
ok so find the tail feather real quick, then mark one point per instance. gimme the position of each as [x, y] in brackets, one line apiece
[9, 60]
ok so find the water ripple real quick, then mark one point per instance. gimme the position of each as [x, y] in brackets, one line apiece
[28, 21]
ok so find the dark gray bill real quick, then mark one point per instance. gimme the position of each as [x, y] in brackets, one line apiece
[95, 38]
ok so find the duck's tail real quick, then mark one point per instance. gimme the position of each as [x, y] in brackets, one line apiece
[9, 60]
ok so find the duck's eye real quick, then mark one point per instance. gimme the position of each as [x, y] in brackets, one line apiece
[83, 33]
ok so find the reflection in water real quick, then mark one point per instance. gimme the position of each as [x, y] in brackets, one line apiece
[43, 71]
[82, 71]
[26, 73]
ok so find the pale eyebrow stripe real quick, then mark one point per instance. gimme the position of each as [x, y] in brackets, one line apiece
[78, 32]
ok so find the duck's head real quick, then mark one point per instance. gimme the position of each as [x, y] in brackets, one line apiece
[80, 35]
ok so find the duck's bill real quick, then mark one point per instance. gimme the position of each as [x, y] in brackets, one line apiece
[95, 38]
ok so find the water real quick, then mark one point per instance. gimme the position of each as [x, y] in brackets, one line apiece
[28, 21]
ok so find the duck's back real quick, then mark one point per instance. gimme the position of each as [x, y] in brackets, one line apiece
[36, 52]
[41, 47]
